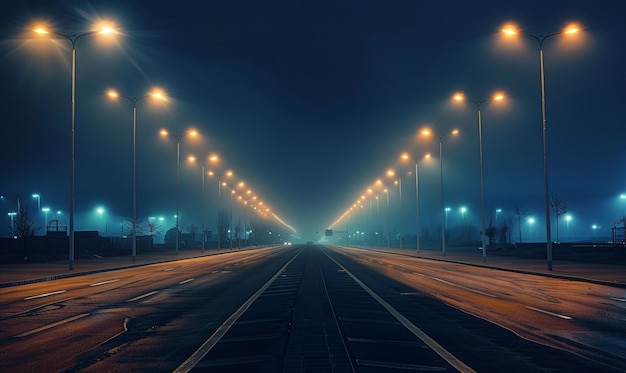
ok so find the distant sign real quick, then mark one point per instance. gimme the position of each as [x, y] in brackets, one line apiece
[329, 232]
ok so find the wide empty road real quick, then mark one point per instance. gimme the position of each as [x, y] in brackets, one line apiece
[312, 308]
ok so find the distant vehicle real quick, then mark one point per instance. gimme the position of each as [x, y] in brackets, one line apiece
[309, 242]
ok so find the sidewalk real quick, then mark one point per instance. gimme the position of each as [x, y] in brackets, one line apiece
[606, 274]
[25, 273]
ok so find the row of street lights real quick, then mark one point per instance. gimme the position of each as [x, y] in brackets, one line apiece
[156, 94]
[508, 30]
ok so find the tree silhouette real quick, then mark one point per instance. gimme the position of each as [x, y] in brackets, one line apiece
[559, 206]
[520, 215]
[24, 225]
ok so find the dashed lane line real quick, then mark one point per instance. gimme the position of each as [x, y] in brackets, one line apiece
[549, 313]
[45, 295]
[104, 282]
[50, 326]
[142, 296]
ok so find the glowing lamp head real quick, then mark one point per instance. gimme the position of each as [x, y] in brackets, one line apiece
[510, 30]
[41, 31]
[107, 30]
[158, 95]
[459, 97]
[571, 29]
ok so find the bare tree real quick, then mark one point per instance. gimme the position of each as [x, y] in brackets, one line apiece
[154, 229]
[559, 206]
[505, 231]
[193, 229]
[24, 224]
[520, 215]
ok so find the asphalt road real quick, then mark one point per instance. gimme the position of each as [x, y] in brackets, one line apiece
[312, 308]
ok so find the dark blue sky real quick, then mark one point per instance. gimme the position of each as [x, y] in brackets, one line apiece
[310, 102]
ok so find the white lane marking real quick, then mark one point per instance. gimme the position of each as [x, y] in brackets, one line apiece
[464, 288]
[549, 313]
[186, 281]
[206, 347]
[45, 295]
[436, 347]
[142, 296]
[214, 271]
[50, 326]
[104, 282]
[168, 269]
[619, 299]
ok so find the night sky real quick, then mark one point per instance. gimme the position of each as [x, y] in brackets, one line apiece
[309, 102]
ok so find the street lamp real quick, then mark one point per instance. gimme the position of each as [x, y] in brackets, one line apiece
[100, 211]
[531, 221]
[497, 212]
[212, 158]
[448, 209]
[540, 39]
[230, 229]
[568, 218]
[478, 103]
[12, 217]
[156, 94]
[463, 210]
[386, 191]
[36, 195]
[427, 132]
[45, 210]
[406, 156]
[595, 227]
[165, 133]
[73, 38]
[391, 173]
[219, 204]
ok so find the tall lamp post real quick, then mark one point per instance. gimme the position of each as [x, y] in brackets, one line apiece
[540, 39]
[391, 173]
[406, 157]
[45, 224]
[386, 191]
[443, 206]
[156, 95]
[105, 30]
[219, 204]
[165, 133]
[212, 158]
[478, 103]
[38, 197]
[12, 217]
